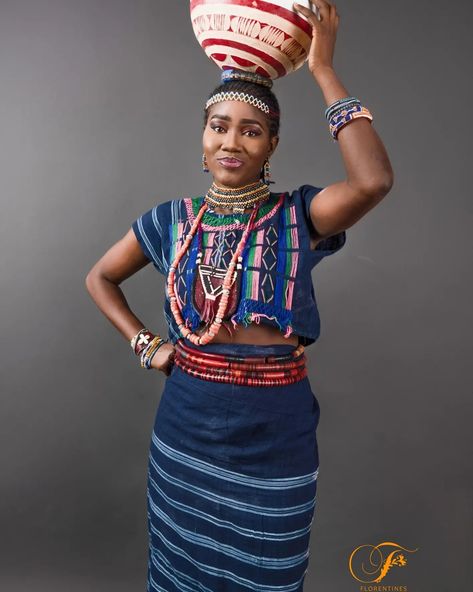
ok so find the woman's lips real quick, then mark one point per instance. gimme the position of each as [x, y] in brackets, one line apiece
[230, 163]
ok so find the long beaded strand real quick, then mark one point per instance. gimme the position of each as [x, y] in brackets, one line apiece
[214, 327]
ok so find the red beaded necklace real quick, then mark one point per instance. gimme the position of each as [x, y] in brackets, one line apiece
[214, 327]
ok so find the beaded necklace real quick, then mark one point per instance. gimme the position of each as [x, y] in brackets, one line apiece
[236, 260]
[238, 199]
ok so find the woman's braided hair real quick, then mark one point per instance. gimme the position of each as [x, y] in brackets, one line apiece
[254, 85]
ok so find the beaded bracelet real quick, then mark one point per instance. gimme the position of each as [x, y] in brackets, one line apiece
[342, 111]
[337, 110]
[336, 104]
[149, 352]
[346, 116]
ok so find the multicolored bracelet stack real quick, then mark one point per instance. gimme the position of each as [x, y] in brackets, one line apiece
[341, 112]
[145, 344]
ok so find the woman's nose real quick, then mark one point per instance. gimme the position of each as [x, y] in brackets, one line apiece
[231, 141]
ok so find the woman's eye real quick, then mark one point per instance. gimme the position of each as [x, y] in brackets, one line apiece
[252, 133]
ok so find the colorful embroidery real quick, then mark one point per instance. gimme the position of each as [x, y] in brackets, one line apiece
[178, 231]
[288, 257]
[270, 261]
[276, 283]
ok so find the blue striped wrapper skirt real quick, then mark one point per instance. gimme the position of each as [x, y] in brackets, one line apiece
[232, 483]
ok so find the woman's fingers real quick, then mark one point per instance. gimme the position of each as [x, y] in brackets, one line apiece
[323, 18]
[324, 9]
[309, 14]
[170, 362]
[321, 10]
[333, 9]
[316, 10]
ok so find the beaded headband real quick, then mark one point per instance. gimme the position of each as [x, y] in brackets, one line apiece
[229, 75]
[238, 96]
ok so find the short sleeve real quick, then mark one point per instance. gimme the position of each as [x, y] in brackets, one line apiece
[149, 229]
[326, 246]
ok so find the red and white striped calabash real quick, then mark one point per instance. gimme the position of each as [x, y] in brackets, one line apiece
[268, 38]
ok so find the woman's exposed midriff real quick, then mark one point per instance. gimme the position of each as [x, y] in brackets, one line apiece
[257, 334]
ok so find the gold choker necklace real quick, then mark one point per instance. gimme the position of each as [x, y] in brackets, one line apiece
[237, 199]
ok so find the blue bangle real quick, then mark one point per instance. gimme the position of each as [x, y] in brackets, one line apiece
[340, 102]
[340, 105]
[146, 358]
[336, 112]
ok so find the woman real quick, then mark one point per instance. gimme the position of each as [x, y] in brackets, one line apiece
[233, 460]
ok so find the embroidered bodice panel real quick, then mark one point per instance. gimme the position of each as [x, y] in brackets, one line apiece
[276, 284]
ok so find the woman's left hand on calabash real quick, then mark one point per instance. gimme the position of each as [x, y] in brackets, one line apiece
[324, 32]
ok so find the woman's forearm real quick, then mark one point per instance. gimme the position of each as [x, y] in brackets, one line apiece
[365, 158]
[112, 302]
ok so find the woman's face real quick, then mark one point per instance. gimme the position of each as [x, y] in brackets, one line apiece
[236, 142]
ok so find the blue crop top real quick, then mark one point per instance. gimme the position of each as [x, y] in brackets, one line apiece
[276, 284]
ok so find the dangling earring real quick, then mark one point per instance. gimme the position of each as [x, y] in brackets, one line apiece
[205, 167]
[266, 172]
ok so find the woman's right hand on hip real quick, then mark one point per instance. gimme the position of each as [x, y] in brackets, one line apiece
[163, 359]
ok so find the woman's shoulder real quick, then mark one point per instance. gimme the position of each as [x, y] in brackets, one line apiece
[302, 192]
[300, 197]
[176, 206]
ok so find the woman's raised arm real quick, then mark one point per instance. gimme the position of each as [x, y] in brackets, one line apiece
[369, 173]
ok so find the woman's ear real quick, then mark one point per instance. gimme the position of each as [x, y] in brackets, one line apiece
[273, 145]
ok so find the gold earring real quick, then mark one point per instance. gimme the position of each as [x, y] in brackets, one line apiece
[205, 167]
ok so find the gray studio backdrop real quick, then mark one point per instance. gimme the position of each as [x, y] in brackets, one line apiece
[100, 118]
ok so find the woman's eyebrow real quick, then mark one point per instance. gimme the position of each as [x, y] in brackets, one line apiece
[251, 121]
[228, 118]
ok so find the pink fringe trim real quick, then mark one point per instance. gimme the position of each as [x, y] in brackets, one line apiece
[288, 331]
[255, 316]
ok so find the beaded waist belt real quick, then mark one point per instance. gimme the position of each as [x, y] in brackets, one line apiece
[273, 370]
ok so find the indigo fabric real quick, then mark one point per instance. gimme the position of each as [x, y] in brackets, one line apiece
[232, 483]
[276, 287]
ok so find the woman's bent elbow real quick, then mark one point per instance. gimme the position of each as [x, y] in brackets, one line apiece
[379, 188]
[385, 187]
[91, 280]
